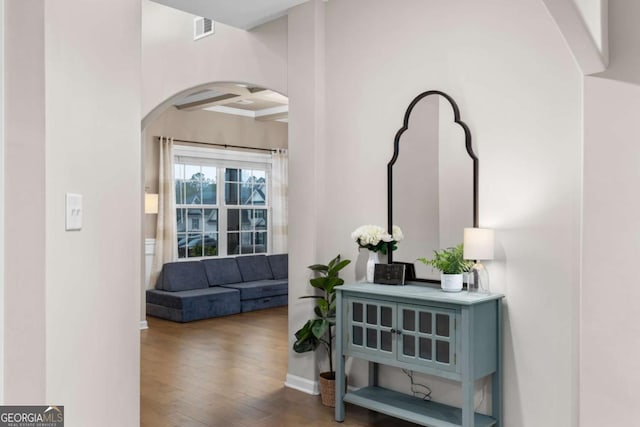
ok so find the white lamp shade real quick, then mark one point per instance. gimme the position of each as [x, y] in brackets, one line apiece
[150, 203]
[478, 243]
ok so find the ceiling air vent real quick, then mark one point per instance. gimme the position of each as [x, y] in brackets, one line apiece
[202, 27]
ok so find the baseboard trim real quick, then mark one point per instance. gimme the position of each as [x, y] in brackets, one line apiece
[144, 325]
[302, 384]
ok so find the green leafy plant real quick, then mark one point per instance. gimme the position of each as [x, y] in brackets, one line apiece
[319, 330]
[449, 261]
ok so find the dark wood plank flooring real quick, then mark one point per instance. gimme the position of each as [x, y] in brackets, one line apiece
[229, 372]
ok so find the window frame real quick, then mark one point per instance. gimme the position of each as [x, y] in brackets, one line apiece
[221, 160]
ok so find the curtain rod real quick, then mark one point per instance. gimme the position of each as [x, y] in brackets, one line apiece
[271, 150]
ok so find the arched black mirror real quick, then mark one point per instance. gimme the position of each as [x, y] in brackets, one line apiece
[432, 181]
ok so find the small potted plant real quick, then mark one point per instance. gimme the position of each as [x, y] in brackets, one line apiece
[452, 266]
[320, 330]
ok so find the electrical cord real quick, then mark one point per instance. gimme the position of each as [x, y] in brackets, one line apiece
[419, 390]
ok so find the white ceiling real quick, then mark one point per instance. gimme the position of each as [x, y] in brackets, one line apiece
[243, 14]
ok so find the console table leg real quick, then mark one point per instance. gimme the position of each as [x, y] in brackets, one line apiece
[340, 386]
[496, 380]
[467, 404]
[340, 362]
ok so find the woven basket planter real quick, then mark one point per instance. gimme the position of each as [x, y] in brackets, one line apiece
[328, 388]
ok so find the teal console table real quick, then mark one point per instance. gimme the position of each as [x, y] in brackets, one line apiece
[457, 336]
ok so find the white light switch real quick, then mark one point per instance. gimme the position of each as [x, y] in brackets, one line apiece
[74, 212]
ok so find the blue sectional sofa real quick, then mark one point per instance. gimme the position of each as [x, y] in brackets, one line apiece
[194, 290]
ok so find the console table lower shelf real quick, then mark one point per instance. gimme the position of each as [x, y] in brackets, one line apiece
[412, 409]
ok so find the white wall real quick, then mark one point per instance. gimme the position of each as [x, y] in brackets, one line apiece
[173, 62]
[519, 90]
[24, 273]
[73, 125]
[609, 350]
[609, 345]
[306, 162]
[2, 156]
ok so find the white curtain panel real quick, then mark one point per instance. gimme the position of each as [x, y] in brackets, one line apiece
[279, 199]
[166, 244]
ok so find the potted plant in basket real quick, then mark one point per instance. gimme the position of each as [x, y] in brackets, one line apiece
[452, 266]
[319, 331]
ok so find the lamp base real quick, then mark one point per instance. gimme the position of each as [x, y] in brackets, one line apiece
[478, 279]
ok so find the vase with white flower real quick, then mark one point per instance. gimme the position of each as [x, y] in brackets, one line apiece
[376, 239]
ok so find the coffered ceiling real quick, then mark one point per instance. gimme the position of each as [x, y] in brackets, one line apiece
[238, 99]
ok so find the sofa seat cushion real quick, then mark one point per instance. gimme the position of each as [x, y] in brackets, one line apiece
[260, 288]
[264, 302]
[254, 267]
[188, 298]
[279, 265]
[183, 276]
[196, 304]
[222, 271]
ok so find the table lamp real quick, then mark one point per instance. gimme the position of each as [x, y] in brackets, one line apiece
[478, 245]
[150, 203]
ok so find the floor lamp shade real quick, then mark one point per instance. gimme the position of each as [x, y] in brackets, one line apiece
[478, 243]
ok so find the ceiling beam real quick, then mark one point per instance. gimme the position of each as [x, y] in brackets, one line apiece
[591, 58]
[208, 102]
[272, 117]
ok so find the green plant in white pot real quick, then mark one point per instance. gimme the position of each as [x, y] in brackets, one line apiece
[452, 266]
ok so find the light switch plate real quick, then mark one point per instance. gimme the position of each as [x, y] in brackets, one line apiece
[74, 212]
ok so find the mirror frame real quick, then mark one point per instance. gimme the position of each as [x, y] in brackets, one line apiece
[396, 152]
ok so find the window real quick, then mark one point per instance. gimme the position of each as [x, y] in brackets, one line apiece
[227, 219]
[196, 210]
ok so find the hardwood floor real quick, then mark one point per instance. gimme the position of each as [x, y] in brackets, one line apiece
[229, 372]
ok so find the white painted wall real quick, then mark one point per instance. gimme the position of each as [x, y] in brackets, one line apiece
[520, 92]
[306, 186]
[609, 350]
[73, 125]
[92, 147]
[24, 273]
[173, 62]
[2, 156]
[609, 375]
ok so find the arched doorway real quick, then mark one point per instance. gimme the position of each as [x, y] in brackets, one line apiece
[237, 118]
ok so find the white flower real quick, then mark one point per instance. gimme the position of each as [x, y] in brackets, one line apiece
[397, 233]
[370, 235]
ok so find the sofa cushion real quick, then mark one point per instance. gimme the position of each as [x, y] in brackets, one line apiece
[254, 267]
[266, 302]
[260, 288]
[183, 276]
[222, 271]
[279, 265]
[184, 298]
[195, 304]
